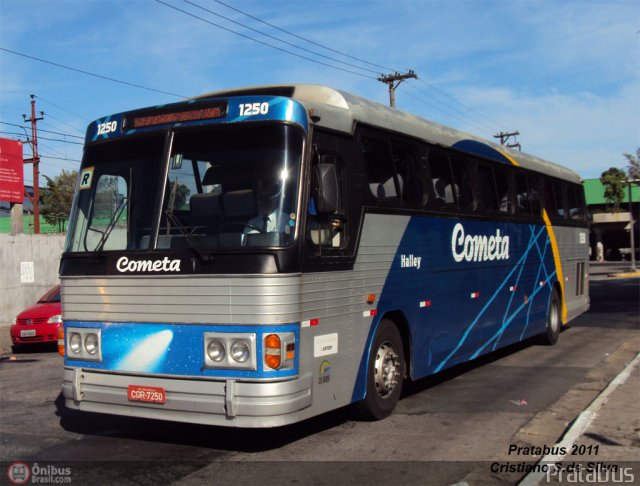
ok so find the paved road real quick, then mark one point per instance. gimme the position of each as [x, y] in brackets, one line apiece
[445, 427]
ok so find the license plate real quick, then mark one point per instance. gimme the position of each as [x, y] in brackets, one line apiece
[28, 333]
[150, 394]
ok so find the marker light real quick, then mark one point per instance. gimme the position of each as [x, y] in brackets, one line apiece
[216, 351]
[272, 351]
[61, 341]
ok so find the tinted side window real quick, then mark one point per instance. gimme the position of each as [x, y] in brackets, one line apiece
[523, 198]
[534, 195]
[487, 194]
[409, 177]
[575, 202]
[441, 178]
[559, 200]
[462, 183]
[379, 167]
[502, 186]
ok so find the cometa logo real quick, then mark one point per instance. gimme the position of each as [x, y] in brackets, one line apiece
[478, 248]
[165, 265]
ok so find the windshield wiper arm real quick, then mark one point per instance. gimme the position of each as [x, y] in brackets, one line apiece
[194, 244]
[111, 225]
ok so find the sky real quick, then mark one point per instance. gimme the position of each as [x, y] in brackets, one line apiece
[565, 74]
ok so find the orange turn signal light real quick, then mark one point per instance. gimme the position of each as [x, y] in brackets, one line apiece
[272, 351]
[371, 298]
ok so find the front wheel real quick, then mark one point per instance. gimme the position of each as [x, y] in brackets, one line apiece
[385, 373]
[554, 321]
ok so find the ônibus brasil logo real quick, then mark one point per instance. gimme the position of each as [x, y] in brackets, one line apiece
[19, 473]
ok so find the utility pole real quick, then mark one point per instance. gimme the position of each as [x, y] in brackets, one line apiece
[504, 138]
[631, 228]
[35, 160]
[391, 79]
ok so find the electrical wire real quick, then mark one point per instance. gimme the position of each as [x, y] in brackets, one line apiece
[278, 39]
[262, 42]
[107, 78]
[305, 39]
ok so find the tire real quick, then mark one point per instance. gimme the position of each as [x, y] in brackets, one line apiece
[554, 321]
[386, 367]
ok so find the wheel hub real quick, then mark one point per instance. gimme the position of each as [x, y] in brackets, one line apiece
[386, 369]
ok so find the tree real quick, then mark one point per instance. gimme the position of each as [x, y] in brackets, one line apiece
[614, 181]
[57, 198]
[633, 168]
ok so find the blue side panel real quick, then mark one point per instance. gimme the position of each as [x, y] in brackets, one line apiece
[172, 349]
[462, 299]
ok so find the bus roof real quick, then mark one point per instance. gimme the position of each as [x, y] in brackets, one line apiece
[342, 111]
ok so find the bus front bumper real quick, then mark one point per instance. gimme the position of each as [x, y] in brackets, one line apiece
[213, 402]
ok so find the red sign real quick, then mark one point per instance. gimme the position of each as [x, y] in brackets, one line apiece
[11, 171]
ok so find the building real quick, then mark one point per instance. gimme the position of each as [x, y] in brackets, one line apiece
[609, 228]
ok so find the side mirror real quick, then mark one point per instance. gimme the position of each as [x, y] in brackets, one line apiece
[325, 187]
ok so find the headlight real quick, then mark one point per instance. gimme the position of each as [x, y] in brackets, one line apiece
[75, 343]
[83, 343]
[15, 320]
[215, 350]
[57, 319]
[240, 351]
[91, 344]
[230, 350]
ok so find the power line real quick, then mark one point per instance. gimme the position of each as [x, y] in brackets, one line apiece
[41, 138]
[443, 93]
[64, 109]
[458, 101]
[305, 39]
[107, 78]
[278, 39]
[64, 123]
[43, 130]
[262, 42]
[453, 108]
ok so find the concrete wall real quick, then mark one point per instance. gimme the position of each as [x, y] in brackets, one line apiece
[18, 255]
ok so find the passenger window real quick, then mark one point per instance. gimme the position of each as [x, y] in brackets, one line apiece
[559, 200]
[575, 200]
[502, 186]
[441, 178]
[462, 183]
[487, 199]
[406, 162]
[523, 198]
[380, 169]
[534, 195]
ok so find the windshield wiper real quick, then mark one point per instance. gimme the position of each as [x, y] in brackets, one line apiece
[112, 223]
[194, 244]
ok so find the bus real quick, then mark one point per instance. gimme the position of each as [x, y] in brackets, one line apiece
[258, 256]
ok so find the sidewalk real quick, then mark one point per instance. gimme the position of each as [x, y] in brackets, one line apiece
[604, 439]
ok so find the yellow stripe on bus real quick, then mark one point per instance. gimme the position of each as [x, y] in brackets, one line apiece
[509, 158]
[558, 263]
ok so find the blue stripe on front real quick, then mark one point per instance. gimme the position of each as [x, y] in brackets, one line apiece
[173, 349]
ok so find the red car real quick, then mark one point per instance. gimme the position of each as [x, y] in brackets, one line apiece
[40, 322]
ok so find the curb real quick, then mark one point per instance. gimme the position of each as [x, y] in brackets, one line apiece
[550, 425]
[581, 424]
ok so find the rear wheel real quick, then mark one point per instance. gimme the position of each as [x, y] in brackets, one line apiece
[554, 321]
[385, 373]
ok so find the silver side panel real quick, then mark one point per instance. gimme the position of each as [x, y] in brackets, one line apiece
[573, 246]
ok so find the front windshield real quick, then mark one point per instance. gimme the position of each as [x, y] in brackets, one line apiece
[228, 187]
